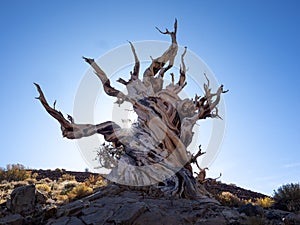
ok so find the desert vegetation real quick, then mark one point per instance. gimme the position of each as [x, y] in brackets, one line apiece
[54, 191]
[63, 190]
[67, 188]
[287, 197]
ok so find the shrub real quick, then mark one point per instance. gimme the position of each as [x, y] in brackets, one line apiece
[266, 202]
[14, 172]
[100, 182]
[94, 182]
[80, 191]
[43, 187]
[229, 199]
[67, 177]
[62, 198]
[34, 175]
[287, 197]
[68, 187]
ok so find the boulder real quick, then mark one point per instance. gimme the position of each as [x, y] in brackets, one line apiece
[41, 198]
[22, 200]
[292, 219]
[15, 219]
[251, 210]
[128, 213]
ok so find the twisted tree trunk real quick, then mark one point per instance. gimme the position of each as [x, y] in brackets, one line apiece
[155, 149]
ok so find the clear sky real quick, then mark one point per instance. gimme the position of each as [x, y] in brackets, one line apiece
[252, 47]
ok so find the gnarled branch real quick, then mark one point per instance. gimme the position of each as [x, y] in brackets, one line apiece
[109, 90]
[72, 130]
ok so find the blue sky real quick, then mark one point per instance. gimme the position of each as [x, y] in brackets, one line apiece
[252, 47]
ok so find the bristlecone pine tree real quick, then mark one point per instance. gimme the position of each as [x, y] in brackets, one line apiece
[155, 150]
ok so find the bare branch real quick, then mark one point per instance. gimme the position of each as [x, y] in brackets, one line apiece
[172, 78]
[209, 102]
[201, 176]
[109, 90]
[136, 69]
[71, 130]
[122, 81]
[168, 56]
[182, 69]
[198, 154]
[173, 33]
[54, 104]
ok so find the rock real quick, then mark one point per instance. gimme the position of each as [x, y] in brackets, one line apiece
[41, 198]
[275, 214]
[231, 215]
[22, 200]
[251, 210]
[50, 212]
[292, 219]
[151, 217]
[121, 205]
[219, 220]
[128, 213]
[71, 209]
[66, 220]
[15, 219]
[96, 215]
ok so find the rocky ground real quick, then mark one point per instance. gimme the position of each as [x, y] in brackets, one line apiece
[216, 187]
[115, 204]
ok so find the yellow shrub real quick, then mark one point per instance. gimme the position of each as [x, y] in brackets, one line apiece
[80, 191]
[43, 187]
[229, 199]
[94, 182]
[66, 177]
[62, 198]
[266, 202]
[68, 187]
[34, 175]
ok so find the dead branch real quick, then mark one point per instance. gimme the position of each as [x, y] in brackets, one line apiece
[157, 65]
[182, 69]
[201, 176]
[136, 69]
[109, 90]
[72, 130]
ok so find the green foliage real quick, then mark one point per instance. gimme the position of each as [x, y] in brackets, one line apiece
[287, 197]
[14, 172]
